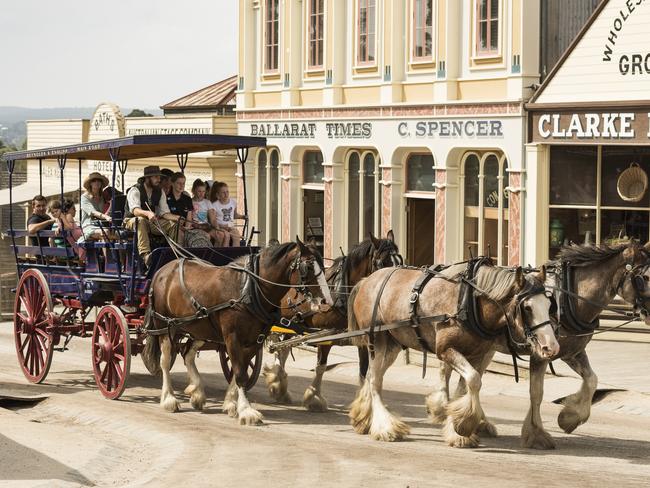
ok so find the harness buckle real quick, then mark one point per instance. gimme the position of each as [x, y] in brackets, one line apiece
[261, 338]
[415, 296]
[285, 322]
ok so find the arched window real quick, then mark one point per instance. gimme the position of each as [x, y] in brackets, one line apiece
[368, 194]
[420, 174]
[261, 196]
[486, 207]
[353, 199]
[274, 195]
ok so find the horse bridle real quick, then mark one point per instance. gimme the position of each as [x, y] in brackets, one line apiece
[304, 267]
[638, 280]
[378, 263]
[531, 290]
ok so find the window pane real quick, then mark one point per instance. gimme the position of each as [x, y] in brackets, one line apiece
[494, 35]
[494, 9]
[353, 195]
[420, 173]
[568, 225]
[368, 194]
[471, 181]
[503, 258]
[615, 161]
[506, 184]
[371, 30]
[618, 224]
[313, 171]
[482, 9]
[482, 40]
[491, 182]
[274, 197]
[261, 198]
[573, 175]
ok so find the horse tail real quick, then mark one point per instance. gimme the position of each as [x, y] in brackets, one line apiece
[353, 324]
[151, 352]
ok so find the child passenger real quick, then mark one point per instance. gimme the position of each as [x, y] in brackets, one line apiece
[224, 213]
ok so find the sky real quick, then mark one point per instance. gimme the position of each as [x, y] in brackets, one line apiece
[135, 53]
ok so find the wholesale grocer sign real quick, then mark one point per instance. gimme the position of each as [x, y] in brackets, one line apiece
[633, 63]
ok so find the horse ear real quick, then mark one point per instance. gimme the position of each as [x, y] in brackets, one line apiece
[301, 246]
[390, 236]
[520, 279]
[542, 274]
[374, 240]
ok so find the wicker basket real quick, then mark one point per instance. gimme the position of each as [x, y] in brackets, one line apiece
[632, 183]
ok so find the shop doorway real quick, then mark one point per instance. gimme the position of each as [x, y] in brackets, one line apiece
[314, 215]
[421, 224]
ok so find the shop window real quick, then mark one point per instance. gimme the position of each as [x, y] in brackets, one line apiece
[316, 33]
[312, 167]
[271, 35]
[261, 195]
[366, 41]
[422, 29]
[420, 174]
[486, 207]
[487, 27]
[585, 206]
[353, 196]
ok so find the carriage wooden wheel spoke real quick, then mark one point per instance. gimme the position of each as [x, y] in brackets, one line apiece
[111, 352]
[254, 366]
[32, 316]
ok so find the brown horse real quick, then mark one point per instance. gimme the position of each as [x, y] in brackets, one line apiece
[233, 304]
[506, 301]
[365, 258]
[598, 275]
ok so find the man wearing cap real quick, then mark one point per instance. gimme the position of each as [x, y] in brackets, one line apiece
[146, 201]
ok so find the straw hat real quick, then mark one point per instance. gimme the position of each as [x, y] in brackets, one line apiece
[94, 176]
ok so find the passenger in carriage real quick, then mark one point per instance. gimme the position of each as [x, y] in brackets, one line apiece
[201, 209]
[93, 207]
[180, 203]
[146, 201]
[65, 220]
[107, 194]
[224, 212]
[166, 180]
[38, 221]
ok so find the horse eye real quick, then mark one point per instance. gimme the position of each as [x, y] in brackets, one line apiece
[528, 308]
[646, 278]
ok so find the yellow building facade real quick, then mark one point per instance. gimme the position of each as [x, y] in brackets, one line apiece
[396, 114]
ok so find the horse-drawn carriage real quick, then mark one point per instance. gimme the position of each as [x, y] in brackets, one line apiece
[57, 293]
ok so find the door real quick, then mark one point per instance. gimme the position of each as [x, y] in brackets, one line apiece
[314, 212]
[421, 223]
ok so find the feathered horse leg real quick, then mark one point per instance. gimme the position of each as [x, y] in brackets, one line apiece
[313, 399]
[167, 399]
[276, 377]
[577, 407]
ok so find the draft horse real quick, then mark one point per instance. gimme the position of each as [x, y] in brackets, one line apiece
[458, 314]
[235, 305]
[364, 259]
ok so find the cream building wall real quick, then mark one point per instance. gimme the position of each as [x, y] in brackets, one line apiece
[455, 85]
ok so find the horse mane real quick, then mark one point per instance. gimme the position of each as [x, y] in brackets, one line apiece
[586, 254]
[497, 283]
[361, 251]
[276, 252]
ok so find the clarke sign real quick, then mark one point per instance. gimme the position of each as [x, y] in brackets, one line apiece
[607, 127]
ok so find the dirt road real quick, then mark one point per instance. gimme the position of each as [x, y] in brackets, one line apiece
[76, 438]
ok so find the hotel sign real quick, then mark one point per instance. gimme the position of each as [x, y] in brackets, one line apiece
[591, 127]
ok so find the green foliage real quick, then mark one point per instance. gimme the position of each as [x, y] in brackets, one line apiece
[136, 112]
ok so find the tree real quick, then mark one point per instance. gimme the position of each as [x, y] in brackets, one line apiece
[136, 112]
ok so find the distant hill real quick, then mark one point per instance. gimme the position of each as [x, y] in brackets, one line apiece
[12, 119]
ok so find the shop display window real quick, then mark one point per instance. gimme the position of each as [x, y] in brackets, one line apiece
[274, 195]
[353, 195]
[585, 204]
[368, 194]
[261, 195]
[268, 196]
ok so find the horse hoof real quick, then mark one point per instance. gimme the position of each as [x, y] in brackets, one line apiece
[536, 438]
[230, 408]
[486, 429]
[250, 416]
[453, 439]
[465, 427]
[397, 431]
[170, 404]
[314, 401]
[436, 405]
[569, 420]
[277, 382]
[197, 401]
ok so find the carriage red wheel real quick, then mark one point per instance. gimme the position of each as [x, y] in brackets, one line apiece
[32, 316]
[111, 351]
[254, 366]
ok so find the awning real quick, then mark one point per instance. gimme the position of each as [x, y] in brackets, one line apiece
[138, 147]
